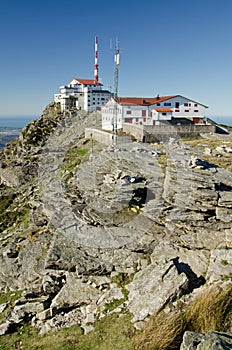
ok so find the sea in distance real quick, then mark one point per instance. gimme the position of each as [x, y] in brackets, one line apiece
[15, 122]
[222, 120]
[10, 128]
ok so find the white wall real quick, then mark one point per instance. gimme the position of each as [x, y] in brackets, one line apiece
[111, 115]
[193, 109]
[159, 116]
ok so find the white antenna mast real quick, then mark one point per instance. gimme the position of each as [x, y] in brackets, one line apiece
[116, 67]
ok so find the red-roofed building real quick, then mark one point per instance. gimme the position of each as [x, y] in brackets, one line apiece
[151, 111]
[85, 94]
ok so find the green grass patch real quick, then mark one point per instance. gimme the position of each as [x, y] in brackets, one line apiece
[81, 152]
[121, 279]
[73, 158]
[8, 298]
[224, 262]
[14, 215]
[112, 332]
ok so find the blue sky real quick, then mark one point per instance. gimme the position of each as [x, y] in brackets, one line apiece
[168, 47]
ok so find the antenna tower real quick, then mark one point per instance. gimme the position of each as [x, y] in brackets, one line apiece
[115, 111]
[96, 61]
[116, 66]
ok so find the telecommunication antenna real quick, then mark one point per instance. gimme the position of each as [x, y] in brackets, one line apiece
[116, 69]
[96, 61]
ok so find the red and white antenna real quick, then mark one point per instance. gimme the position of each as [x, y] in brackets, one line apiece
[96, 61]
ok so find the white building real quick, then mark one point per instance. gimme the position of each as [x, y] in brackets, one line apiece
[83, 94]
[176, 109]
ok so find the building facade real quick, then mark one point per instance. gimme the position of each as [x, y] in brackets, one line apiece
[82, 94]
[176, 109]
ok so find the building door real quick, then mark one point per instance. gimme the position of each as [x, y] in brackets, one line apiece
[196, 120]
[177, 105]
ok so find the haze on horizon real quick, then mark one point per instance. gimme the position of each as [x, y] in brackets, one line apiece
[170, 47]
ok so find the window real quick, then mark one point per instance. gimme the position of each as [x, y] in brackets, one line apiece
[144, 113]
[157, 104]
[164, 113]
[177, 110]
[177, 104]
[195, 105]
[186, 104]
[187, 110]
[128, 112]
[196, 110]
[167, 104]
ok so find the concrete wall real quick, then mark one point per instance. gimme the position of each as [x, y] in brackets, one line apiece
[136, 131]
[164, 132]
[105, 137]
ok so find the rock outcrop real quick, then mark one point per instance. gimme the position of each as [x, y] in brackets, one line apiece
[85, 225]
[211, 340]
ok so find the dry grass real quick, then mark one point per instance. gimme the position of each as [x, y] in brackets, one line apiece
[211, 310]
[163, 331]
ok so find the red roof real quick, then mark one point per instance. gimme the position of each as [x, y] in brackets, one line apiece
[143, 101]
[88, 82]
[163, 110]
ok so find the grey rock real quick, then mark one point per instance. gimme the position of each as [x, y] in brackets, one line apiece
[109, 296]
[3, 307]
[225, 199]
[74, 293]
[224, 214]
[6, 327]
[152, 289]
[87, 328]
[26, 311]
[210, 341]
[220, 265]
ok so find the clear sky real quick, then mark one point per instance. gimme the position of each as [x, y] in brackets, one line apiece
[168, 47]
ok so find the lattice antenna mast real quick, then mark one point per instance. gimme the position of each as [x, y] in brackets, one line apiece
[116, 68]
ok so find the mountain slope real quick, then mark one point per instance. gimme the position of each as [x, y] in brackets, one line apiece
[87, 229]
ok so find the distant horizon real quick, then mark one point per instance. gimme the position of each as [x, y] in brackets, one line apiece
[22, 121]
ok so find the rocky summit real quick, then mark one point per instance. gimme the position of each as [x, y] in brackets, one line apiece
[89, 229]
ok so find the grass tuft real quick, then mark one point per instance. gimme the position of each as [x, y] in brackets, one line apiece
[211, 310]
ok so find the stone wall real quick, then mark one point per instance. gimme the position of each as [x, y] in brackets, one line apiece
[99, 135]
[164, 132]
[134, 130]
[105, 137]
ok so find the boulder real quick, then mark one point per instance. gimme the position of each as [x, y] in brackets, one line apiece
[6, 327]
[209, 341]
[153, 288]
[74, 293]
